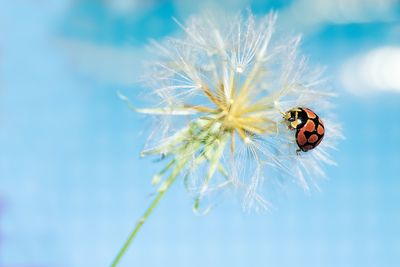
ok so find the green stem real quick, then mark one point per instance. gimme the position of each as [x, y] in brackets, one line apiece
[163, 189]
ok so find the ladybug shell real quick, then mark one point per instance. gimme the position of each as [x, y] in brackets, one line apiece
[310, 130]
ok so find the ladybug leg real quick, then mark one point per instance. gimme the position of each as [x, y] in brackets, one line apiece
[298, 152]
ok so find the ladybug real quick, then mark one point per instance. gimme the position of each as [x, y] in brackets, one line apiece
[309, 127]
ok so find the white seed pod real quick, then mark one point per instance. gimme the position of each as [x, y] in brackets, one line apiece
[220, 91]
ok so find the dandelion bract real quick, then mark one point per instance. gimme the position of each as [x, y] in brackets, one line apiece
[220, 91]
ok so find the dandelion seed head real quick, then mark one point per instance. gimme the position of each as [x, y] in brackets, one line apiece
[221, 90]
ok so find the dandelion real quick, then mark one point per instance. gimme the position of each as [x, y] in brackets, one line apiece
[221, 92]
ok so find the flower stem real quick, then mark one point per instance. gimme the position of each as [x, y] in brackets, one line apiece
[163, 189]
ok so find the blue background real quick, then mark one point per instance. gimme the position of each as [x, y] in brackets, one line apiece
[72, 184]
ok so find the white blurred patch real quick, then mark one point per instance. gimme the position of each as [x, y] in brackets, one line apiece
[105, 63]
[377, 70]
[308, 14]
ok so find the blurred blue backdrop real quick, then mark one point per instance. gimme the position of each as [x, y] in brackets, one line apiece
[72, 184]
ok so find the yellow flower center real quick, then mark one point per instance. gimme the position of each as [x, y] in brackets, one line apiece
[238, 113]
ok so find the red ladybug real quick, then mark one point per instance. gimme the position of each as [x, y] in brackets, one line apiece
[309, 128]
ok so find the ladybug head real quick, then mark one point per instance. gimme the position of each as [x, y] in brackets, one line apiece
[292, 118]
